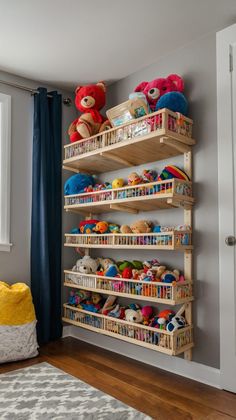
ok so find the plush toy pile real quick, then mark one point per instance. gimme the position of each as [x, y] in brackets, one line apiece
[133, 313]
[136, 270]
[101, 227]
[83, 183]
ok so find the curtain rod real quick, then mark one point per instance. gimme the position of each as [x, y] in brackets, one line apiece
[66, 101]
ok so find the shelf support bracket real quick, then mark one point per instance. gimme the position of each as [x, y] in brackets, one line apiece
[175, 144]
[115, 158]
[176, 203]
[77, 171]
[120, 207]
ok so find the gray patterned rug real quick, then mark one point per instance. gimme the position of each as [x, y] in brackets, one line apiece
[43, 392]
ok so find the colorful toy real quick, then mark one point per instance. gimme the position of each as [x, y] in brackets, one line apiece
[109, 305]
[117, 312]
[134, 179]
[86, 265]
[141, 226]
[101, 227]
[175, 101]
[117, 183]
[88, 100]
[78, 296]
[77, 183]
[176, 323]
[111, 271]
[113, 228]
[147, 312]
[127, 273]
[87, 226]
[171, 171]
[170, 276]
[149, 175]
[155, 89]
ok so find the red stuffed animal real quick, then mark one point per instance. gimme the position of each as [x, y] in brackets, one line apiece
[156, 88]
[89, 100]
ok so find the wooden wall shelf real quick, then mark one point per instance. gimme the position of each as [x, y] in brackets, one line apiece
[157, 136]
[132, 199]
[112, 150]
[152, 338]
[169, 294]
[173, 240]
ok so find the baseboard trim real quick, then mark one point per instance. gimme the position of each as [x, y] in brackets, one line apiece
[192, 370]
[66, 332]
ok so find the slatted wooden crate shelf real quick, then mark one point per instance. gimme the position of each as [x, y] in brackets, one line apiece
[152, 338]
[143, 197]
[153, 137]
[171, 294]
[173, 240]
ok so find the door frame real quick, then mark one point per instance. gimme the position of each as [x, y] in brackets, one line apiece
[225, 40]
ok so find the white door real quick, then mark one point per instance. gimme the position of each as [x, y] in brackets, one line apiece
[226, 117]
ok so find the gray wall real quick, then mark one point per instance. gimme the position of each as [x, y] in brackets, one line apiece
[197, 64]
[15, 266]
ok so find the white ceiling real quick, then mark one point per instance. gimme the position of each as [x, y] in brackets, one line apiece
[68, 42]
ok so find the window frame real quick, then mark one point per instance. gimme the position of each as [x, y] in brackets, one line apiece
[5, 171]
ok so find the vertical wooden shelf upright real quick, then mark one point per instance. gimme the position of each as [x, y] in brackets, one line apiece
[170, 136]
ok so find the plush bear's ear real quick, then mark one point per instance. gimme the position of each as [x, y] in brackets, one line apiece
[102, 85]
[141, 87]
[177, 80]
[77, 89]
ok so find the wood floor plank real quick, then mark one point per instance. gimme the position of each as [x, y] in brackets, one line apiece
[159, 394]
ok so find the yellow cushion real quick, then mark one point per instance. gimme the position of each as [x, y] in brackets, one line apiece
[16, 306]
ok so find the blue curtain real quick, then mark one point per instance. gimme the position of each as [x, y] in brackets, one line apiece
[46, 215]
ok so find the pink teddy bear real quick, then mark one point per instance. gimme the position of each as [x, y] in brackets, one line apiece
[156, 88]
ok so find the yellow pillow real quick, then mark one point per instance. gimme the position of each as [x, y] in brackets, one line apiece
[16, 306]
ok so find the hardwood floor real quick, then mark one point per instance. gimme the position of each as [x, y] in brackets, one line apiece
[161, 395]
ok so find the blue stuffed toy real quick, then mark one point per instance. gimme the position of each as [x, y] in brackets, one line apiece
[175, 101]
[77, 183]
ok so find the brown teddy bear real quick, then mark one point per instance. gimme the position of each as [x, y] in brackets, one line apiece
[141, 226]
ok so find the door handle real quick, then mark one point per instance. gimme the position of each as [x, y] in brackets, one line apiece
[230, 240]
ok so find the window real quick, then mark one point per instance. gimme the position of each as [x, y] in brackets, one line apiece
[5, 158]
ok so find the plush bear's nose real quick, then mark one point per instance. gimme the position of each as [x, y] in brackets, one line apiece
[151, 91]
[85, 99]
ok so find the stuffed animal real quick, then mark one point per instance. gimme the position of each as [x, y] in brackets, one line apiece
[88, 100]
[141, 226]
[117, 312]
[133, 315]
[101, 227]
[146, 313]
[149, 175]
[175, 101]
[117, 183]
[87, 226]
[109, 305]
[127, 273]
[134, 179]
[86, 265]
[125, 229]
[176, 323]
[78, 296]
[170, 276]
[113, 228]
[111, 271]
[155, 89]
[77, 183]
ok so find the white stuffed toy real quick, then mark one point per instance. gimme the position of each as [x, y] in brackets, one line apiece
[86, 265]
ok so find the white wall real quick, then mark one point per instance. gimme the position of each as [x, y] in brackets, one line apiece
[196, 62]
[15, 266]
